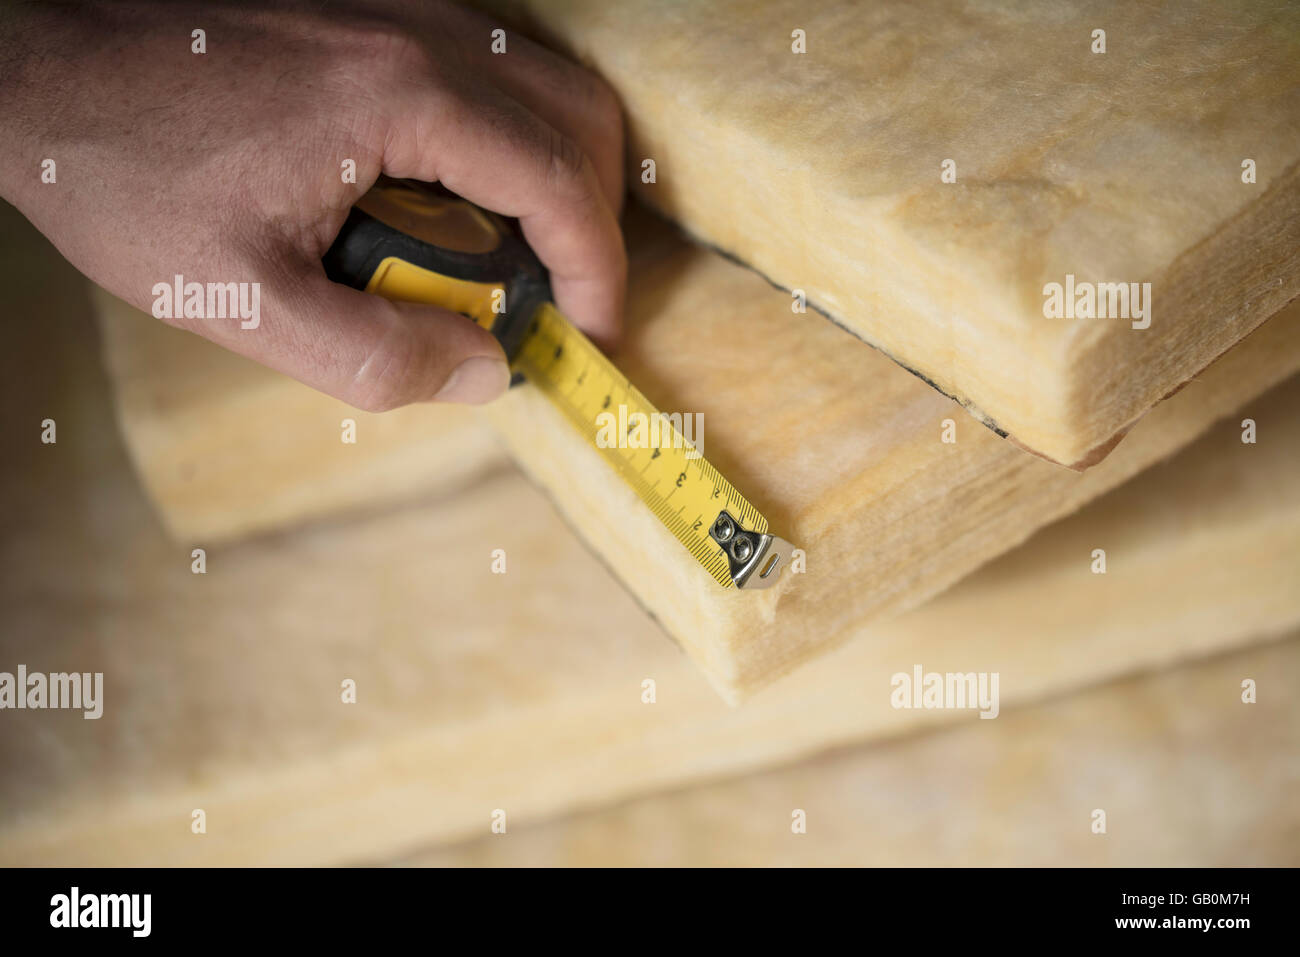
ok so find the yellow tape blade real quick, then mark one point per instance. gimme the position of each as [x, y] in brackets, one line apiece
[674, 480]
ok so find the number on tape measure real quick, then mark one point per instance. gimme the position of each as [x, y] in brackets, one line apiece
[679, 485]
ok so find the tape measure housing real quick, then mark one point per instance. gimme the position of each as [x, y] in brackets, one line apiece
[480, 269]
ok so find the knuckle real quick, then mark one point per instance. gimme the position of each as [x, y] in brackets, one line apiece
[397, 371]
[386, 54]
[413, 59]
[380, 385]
[566, 163]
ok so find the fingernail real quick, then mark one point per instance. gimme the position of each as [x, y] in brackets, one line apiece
[475, 381]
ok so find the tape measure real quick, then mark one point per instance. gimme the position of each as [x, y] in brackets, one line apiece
[412, 242]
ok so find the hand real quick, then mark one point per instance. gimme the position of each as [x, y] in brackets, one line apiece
[228, 166]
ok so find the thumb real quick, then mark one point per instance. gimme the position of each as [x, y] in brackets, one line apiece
[371, 353]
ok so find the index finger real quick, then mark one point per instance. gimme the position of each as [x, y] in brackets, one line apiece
[493, 151]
